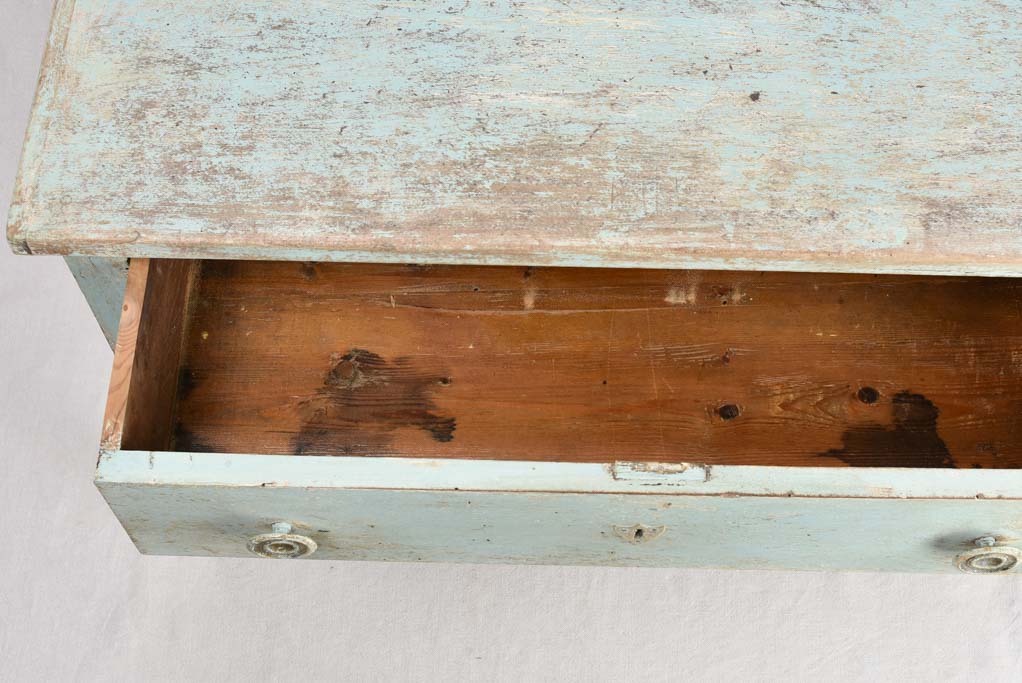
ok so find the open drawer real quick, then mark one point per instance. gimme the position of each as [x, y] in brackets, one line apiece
[558, 415]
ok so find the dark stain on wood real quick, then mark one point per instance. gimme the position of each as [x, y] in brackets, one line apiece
[365, 398]
[309, 271]
[186, 383]
[187, 441]
[912, 440]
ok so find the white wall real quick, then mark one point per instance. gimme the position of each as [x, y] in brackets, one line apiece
[78, 602]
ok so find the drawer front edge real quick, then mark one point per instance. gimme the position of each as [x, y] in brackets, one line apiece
[209, 504]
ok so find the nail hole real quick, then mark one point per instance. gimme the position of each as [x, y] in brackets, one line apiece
[868, 395]
[638, 533]
[728, 411]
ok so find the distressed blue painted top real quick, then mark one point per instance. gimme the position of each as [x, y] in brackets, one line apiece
[856, 135]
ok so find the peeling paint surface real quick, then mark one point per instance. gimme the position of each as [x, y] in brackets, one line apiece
[660, 473]
[448, 474]
[639, 533]
[561, 528]
[857, 136]
[102, 282]
[402, 509]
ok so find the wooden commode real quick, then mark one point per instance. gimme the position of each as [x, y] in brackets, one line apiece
[666, 284]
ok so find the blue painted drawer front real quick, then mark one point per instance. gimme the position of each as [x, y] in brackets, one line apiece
[392, 509]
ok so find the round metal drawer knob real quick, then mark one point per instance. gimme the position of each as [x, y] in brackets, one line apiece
[282, 544]
[988, 557]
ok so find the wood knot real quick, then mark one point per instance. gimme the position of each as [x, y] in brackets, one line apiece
[353, 370]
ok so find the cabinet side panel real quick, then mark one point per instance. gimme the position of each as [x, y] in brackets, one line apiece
[102, 281]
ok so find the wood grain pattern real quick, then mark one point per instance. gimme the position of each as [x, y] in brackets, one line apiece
[125, 349]
[143, 384]
[847, 136]
[602, 365]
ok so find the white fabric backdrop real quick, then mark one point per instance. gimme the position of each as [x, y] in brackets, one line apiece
[77, 602]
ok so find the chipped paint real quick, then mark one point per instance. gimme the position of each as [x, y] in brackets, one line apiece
[639, 533]
[446, 474]
[660, 473]
[443, 510]
[531, 133]
[562, 528]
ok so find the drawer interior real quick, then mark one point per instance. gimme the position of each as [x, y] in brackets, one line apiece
[563, 364]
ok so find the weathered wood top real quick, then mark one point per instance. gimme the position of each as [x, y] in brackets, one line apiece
[849, 135]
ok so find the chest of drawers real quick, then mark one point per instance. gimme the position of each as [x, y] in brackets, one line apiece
[698, 285]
